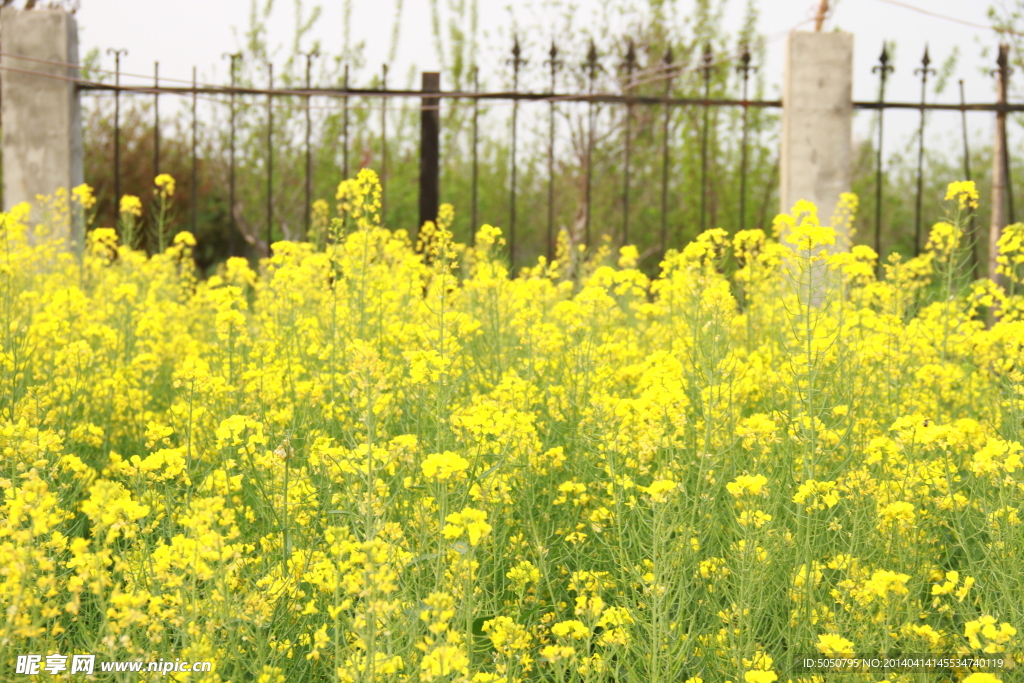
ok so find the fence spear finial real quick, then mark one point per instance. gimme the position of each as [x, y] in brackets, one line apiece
[517, 52]
[924, 70]
[553, 52]
[744, 68]
[592, 66]
[553, 61]
[883, 67]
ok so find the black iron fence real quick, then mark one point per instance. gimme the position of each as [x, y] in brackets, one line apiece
[432, 100]
[431, 97]
[1001, 147]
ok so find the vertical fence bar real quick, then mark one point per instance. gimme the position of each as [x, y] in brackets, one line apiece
[156, 119]
[773, 177]
[430, 147]
[924, 71]
[883, 69]
[1009, 183]
[309, 149]
[630, 64]
[999, 165]
[744, 69]
[270, 156]
[963, 128]
[972, 227]
[669, 73]
[233, 236]
[1006, 164]
[553, 63]
[592, 67]
[706, 68]
[384, 146]
[344, 131]
[117, 125]
[195, 173]
[516, 62]
[476, 140]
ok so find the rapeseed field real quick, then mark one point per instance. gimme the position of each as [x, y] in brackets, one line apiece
[385, 460]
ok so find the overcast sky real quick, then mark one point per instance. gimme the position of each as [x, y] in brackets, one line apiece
[186, 33]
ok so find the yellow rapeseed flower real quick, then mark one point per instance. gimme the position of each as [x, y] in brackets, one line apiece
[131, 204]
[442, 466]
[982, 677]
[471, 522]
[443, 660]
[747, 484]
[832, 644]
[83, 195]
[996, 637]
[572, 629]
[900, 513]
[164, 185]
[658, 489]
[964, 192]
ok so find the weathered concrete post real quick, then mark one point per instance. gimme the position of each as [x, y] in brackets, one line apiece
[817, 120]
[41, 118]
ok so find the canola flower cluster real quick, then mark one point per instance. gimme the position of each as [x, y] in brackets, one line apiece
[389, 460]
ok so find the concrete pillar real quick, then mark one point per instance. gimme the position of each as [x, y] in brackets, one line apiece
[817, 119]
[41, 117]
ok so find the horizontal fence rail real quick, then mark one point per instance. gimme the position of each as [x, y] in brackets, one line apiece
[528, 97]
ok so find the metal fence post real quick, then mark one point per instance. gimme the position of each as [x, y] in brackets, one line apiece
[476, 159]
[707, 60]
[233, 237]
[553, 63]
[384, 146]
[117, 125]
[630, 64]
[592, 68]
[972, 230]
[516, 62]
[309, 151]
[924, 71]
[270, 157]
[156, 119]
[667, 61]
[430, 144]
[195, 173]
[344, 131]
[883, 70]
[744, 69]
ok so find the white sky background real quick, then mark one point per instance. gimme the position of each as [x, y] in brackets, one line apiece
[186, 33]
